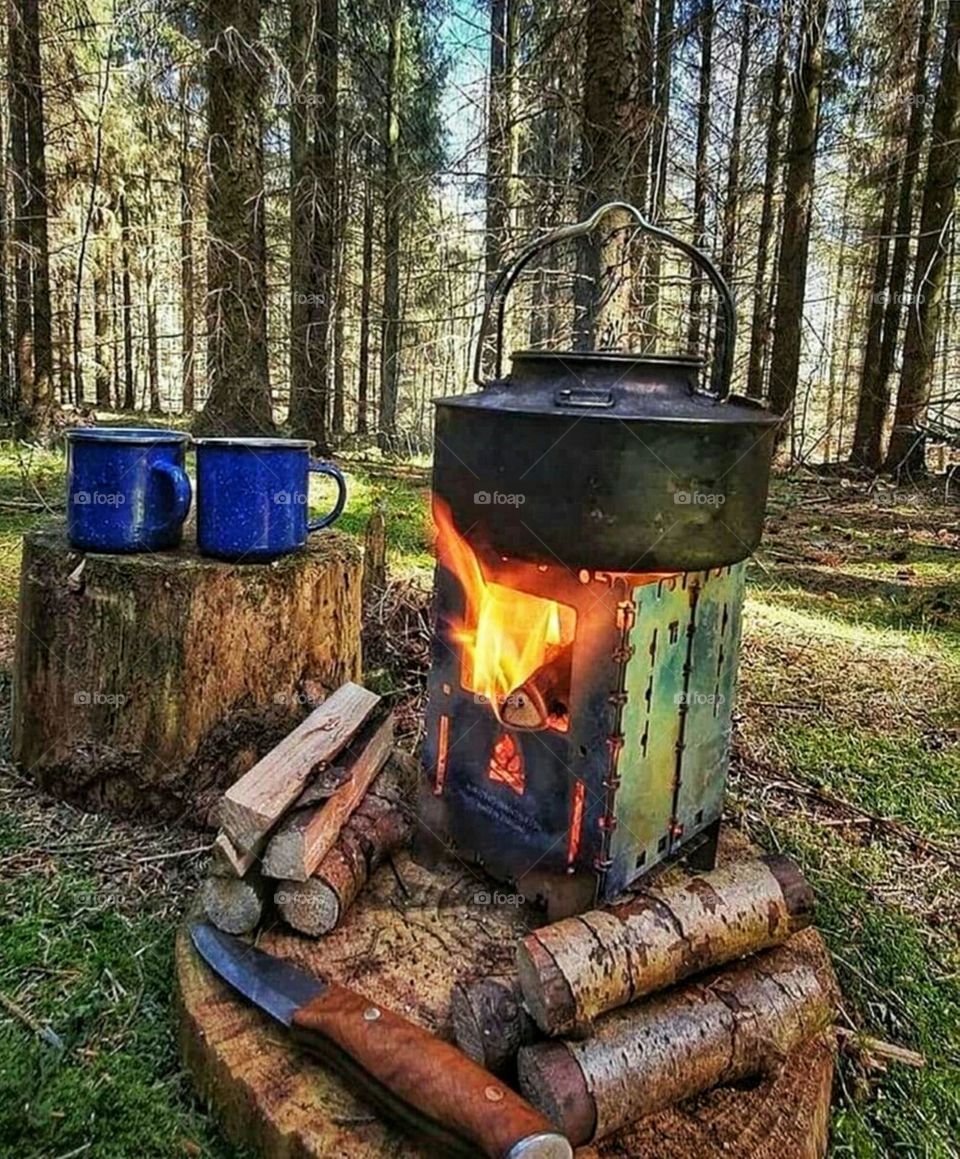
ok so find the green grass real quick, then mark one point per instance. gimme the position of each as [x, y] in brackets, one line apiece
[851, 683]
[100, 978]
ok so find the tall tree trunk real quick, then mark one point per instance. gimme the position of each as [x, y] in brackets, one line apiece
[309, 395]
[43, 402]
[303, 31]
[731, 203]
[188, 340]
[129, 394]
[237, 369]
[390, 341]
[913, 147]
[702, 173]
[839, 284]
[366, 298]
[797, 212]
[613, 125]
[760, 322]
[936, 220]
[116, 312]
[7, 378]
[20, 185]
[64, 339]
[102, 337]
[663, 79]
[150, 290]
[344, 193]
[503, 135]
[871, 411]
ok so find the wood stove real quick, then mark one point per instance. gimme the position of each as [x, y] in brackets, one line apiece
[587, 611]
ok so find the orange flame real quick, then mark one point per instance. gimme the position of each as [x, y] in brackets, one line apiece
[505, 635]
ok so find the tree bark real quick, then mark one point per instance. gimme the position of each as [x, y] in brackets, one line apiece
[661, 133]
[760, 323]
[20, 185]
[129, 394]
[739, 1022]
[613, 126]
[239, 401]
[906, 451]
[43, 401]
[705, 23]
[7, 376]
[366, 299]
[390, 340]
[102, 329]
[871, 404]
[581, 967]
[188, 338]
[797, 213]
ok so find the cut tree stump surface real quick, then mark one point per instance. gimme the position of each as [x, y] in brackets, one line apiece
[148, 683]
[410, 936]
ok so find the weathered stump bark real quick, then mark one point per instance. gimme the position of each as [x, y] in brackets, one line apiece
[409, 938]
[151, 682]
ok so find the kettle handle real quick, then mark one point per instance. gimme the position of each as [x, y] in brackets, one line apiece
[497, 297]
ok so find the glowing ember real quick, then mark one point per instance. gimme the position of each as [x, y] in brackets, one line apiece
[506, 763]
[505, 635]
[576, 822]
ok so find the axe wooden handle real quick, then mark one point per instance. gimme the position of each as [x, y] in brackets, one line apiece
[433, 1090]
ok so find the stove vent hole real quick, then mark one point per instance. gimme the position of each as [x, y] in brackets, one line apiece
[641, 860]
[662, 844]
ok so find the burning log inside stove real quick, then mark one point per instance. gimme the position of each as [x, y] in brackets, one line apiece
[542, 701]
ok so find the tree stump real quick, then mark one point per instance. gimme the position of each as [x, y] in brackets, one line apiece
[148, 683]
[407, 941]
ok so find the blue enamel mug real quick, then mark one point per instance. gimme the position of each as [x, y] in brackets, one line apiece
[252, 497]
[127, 489]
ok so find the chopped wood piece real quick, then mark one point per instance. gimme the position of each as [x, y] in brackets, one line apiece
[580, 967]
[305, 839]
[739, 1022]
[235, 904]
[252, 806]
[382, 823]
[227, 861]
[489, 1021]
[323, 785]
[542, 699]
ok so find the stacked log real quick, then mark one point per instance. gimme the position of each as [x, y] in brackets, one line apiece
[308, 824]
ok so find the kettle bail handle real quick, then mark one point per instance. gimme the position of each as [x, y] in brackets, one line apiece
[500, 290]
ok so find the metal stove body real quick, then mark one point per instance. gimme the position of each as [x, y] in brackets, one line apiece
[632, 766]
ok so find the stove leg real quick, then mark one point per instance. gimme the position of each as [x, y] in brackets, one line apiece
[703, 856]
[429, 840]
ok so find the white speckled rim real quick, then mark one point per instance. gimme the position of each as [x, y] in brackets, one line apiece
[132, 435]
[258, 444]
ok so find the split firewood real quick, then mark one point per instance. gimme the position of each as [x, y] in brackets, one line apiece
[252, 806]
[739, 1022]
[489, 1021]
[382, 823]
[542, 699]
[227, 861]
[307, 836]
[235, 904]
[580, 967]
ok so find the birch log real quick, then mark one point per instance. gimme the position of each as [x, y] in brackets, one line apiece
[489, 1021]
[740, 1022]
[576, 969]
[382, 823]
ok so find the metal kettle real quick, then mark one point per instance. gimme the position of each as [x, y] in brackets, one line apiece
[619, 462]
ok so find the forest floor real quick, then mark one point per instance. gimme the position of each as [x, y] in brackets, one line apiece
[847, 757]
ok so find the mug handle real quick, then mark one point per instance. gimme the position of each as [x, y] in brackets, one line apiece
[182, 491]
[334, 513]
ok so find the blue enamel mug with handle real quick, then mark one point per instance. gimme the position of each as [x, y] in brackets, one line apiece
[252, 497]
[127, 489]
